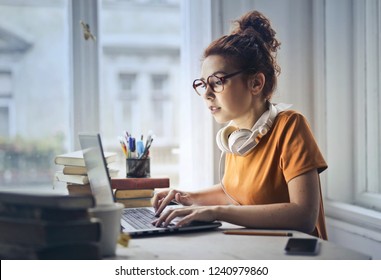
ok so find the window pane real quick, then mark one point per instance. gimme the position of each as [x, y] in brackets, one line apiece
[34, 95]
[5, 84]
[373, 92]
[162, 105]
[140, 42]
[4, 122]
[127, 84]
[367, 101]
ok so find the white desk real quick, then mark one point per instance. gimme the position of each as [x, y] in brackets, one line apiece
[215, 245]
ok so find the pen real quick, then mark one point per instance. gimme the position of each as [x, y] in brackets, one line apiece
[124, 148]
[146, 149]
[258, 233]
[131, 147]
[140, 148]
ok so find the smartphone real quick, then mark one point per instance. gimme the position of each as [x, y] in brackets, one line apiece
[302, 246]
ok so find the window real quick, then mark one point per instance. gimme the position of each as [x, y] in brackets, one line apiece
[34, 90]
[5, 84]
[162, 105]
[368, 102]
[125, 80]
[353, 99]
[5, 103]
[127, 86]
[128, 103]
[4, 121]
[140, 61]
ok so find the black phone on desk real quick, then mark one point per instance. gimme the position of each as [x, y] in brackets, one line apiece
[302, 246]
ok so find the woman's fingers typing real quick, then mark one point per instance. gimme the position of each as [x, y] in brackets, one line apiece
[162, 200]
[184, 216]
[168, 216]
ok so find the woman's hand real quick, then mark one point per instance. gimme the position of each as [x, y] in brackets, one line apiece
[187, 215]
[163, 198]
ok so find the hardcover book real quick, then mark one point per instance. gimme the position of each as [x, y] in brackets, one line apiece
[74, 170]
[138, 193]
[72, 251]
[76, 158]
[76, 189]
[45, 226]
[139, 183]
[43, 233]
[135, 202]
[69, 178]
[47, 200]
[81, 170]
[42, 213]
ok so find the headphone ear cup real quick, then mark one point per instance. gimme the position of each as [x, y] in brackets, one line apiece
[237, 139]
[222, 138]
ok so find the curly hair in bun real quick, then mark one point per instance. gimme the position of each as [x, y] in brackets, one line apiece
[251, 45]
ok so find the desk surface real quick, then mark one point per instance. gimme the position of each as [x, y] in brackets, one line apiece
[215, 245]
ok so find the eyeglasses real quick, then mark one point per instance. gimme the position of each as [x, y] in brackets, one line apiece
[215, 83]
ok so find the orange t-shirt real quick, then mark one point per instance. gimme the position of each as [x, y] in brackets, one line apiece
[288, 150]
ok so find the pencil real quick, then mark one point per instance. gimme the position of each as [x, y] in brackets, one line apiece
[123, 145]
[258, 233]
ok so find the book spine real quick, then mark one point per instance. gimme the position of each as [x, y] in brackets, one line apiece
[135, 202]
[143, 193]
[74, 170]
[75, 179]
[48, 201]
[139, 183]
[81, 170]
[40, 233]
[70, 162]
[41, 213]
[71, 251]
[76, 158]
[76, 189]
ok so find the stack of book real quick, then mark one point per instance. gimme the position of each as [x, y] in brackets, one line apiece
[137, 192]
[73, 171]
[48, 227]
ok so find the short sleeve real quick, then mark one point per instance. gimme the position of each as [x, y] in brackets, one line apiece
[299, 150]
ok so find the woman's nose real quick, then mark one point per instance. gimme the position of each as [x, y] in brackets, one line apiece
[209, 94]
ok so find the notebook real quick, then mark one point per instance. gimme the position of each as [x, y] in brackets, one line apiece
[135, 221]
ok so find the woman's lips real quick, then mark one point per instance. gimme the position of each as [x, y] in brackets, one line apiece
[214, 109]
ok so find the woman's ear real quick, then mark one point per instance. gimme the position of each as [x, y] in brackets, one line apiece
[256, 83]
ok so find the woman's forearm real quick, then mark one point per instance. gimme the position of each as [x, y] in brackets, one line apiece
[211, 196]
[282, 215]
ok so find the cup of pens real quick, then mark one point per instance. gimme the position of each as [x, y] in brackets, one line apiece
[137, 156]
[138, 167]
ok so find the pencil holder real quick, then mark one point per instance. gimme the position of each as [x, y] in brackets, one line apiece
[138, 167]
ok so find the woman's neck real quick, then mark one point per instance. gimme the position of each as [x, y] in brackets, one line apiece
[247, 121]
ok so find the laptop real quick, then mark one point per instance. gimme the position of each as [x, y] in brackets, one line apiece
[135, 221]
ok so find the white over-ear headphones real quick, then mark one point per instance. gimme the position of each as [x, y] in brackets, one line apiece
[242, 141]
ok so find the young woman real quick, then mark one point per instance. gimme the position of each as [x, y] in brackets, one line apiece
[272, 163]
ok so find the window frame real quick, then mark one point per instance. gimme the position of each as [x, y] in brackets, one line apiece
[198, 155]
[85, 66]
[7, 101]
[344, 100]
[366, 82]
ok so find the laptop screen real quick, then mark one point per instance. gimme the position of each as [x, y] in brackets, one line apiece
[96, 168]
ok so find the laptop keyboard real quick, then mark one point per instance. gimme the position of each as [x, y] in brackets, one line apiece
[139, 218]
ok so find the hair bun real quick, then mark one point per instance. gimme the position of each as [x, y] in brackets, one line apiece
[256, 25]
